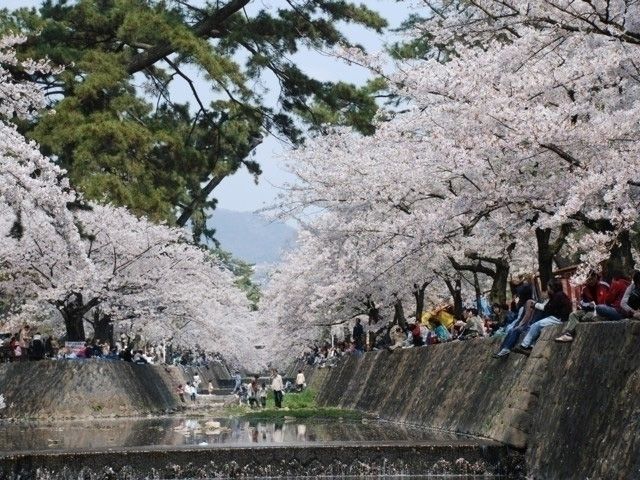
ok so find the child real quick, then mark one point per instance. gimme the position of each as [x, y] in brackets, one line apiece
[262, 395]
[180, 392]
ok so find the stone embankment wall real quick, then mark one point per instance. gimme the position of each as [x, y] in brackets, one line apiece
[87, 388]
[575, 408]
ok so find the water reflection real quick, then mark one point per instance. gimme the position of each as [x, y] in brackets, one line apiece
[177, 431]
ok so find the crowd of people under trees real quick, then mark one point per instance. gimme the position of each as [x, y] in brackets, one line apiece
[30, 344]
[614, 298]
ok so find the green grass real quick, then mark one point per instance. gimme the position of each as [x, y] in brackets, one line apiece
[295, 405]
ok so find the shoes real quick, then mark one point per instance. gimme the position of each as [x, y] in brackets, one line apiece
[565, 338]
[502, 353]
[522, 350]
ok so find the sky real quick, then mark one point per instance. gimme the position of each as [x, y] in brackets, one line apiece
[239, 192]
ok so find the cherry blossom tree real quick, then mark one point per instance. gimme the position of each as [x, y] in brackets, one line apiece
[40, 240]
[518, 142]
[98, 263]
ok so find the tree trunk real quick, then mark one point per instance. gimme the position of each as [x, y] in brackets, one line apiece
[498, 292]
[418, 293]
[73, 309]
[621, 258]
[456, 293]
[102, 327]
[398, 315]
[476, 287]
[74, 324]
[545, 256]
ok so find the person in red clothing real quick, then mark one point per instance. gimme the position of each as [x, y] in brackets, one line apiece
[611, 309]
[594, 292]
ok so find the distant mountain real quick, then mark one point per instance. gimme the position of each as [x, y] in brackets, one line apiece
[252, 237]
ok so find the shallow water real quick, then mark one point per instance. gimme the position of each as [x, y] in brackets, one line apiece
[182, 431]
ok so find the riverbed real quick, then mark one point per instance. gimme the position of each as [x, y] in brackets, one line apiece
[201, 447]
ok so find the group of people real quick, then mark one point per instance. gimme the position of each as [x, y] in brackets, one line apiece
[27, 344]
[435, 331]
[600, 300]
[30, 344]
[195, 357]
[327, 355]
[192, 388]
[520, 324]
[254, 393]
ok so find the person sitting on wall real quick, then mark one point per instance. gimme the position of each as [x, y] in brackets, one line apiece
[557, 310]
[630, 303]
[36, 350]
[442, 334]
[523, 291]
[474, 326]
[126, 355]
[594, 292]
[139, 358]
[416, 334]
[531, 315]
[398, 338]
[611, 309]
[498, 318]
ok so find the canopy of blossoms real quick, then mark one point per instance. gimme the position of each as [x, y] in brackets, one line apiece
[71, 263]
[518, 139]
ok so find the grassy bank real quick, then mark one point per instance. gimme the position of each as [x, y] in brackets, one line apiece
[294, 405]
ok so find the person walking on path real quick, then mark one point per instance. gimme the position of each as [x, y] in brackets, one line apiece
[301, 382]
[277, 386]
[262, 395]
[238, 382]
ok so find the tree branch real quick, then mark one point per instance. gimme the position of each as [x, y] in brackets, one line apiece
[562, 154]
[205, 29]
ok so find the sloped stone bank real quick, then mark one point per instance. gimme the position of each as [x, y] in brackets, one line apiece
[86, 388]
[575, 408]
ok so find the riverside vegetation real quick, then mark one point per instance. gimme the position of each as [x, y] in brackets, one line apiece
[300, 405]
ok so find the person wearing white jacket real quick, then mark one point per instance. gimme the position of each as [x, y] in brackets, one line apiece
[277, 386]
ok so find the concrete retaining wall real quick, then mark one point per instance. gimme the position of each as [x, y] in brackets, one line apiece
[86, 388]
[575, 408]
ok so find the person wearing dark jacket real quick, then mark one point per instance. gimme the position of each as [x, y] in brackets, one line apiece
[556, 311]
[630, 303]
[358, 336]
[558, 304]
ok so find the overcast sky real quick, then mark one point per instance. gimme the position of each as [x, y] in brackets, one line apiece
[239, 192]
